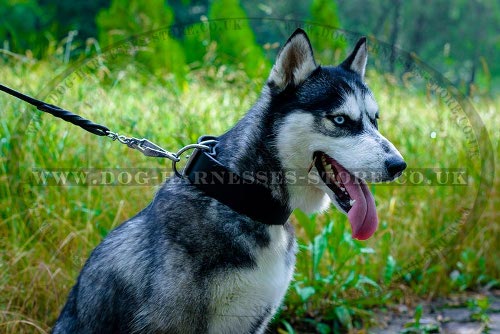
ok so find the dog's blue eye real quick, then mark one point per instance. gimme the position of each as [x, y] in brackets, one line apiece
[339, 120]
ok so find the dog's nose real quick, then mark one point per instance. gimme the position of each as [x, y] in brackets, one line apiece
[395, 166]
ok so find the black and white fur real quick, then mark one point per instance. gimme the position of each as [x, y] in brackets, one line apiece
[189, 264]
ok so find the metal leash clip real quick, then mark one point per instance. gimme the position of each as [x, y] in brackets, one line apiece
[202, 145]
[150, 149]
[145, 146]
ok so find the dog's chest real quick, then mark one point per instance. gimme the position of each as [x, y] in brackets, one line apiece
[245, 298]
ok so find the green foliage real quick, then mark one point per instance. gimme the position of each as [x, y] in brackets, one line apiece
[235, 39]
[416, 327]
[141, 21]
[21, 23]
[76, 15]
[328, 271]
[479, 307]
[325, 12]
[39, 26]
[418, 315]
[470, 272]
[198, 47]
[445, 33]
[330, 46]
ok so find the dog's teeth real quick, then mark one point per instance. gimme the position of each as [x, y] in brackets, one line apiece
[311, 165]
[351, 202]
[342, 188]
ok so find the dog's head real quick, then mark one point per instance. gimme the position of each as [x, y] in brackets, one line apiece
[328, 120]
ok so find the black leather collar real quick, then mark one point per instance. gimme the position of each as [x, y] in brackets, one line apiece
[244, 196]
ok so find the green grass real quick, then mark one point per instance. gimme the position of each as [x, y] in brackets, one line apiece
[46, 233]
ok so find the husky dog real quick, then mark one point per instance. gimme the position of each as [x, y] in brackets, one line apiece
[190, 264]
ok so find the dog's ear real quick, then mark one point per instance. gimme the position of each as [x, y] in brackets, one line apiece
[357, 59]
[295, 62]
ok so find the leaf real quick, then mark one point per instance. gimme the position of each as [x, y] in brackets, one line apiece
[365, 280]
[288, 327]
[347, 238]
[350, 280]
[323, 328]
[483, 303]
[307, 223]
[343, 316]
[305, 293]
[389, 269]
[431, 328]
[367, 250]
[418, 315]
[103, 231]
[319, 245]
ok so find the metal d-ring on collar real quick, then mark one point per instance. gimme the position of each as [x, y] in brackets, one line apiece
[202, 145]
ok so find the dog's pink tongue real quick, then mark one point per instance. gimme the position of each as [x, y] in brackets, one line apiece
[363, 214]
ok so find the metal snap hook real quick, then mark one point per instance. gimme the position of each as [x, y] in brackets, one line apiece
[204, 145]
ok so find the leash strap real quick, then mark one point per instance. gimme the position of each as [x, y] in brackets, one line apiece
[244, 196]
[56, 111]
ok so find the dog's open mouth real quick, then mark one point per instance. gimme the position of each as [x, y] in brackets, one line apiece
[351, 195]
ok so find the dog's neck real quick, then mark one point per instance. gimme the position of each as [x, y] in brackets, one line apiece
[249, 147]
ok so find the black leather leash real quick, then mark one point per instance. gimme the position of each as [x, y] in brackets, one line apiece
[244, 196]
[68, 116]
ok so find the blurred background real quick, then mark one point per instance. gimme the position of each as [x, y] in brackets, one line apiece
[458, 38]
[171, 71]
